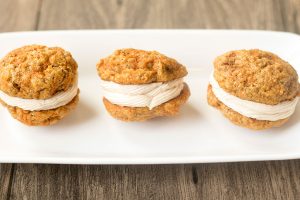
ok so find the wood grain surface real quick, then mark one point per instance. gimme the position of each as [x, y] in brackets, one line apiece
[249, 180]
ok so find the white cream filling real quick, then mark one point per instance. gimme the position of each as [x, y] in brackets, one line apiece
[58, 100]
[252, 109]
[144, 95]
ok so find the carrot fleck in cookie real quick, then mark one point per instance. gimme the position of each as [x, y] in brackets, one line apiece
[253, 88]
[38, 84]
[139, 85]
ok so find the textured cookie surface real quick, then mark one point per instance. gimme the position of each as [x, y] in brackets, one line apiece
[169, 108]
[239, 119]
[37, 72]
[132, 66]
[42, 118]
[257, 76]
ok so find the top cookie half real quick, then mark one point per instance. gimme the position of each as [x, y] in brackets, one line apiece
[37, 72]
[257, 76]
[132, 66]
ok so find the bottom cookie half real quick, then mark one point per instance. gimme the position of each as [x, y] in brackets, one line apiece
[239, 119]
[44, 117]
[167, 109]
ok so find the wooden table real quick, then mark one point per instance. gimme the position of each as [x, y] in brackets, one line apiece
[251, 180]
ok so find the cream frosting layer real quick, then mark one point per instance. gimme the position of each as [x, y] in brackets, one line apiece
[144, 95]
[252, 109]
[58, 100]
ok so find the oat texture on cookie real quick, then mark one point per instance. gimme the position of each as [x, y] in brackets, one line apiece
[132, 66]
[256, 75]
[37, 72]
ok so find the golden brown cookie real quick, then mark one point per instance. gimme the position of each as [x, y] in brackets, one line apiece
[38, 72]
[132, 66]
[256, 76]
[139, 67]
[167, 109]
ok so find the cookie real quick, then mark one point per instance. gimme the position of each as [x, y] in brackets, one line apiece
[38, 84]
[133, 66]
[254, 88]
[139, 85]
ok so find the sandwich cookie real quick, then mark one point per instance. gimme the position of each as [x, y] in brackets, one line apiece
[139, 85]
[253, 88]
[38, 84]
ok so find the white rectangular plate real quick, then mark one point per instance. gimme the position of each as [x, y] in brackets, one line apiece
[89, 135]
